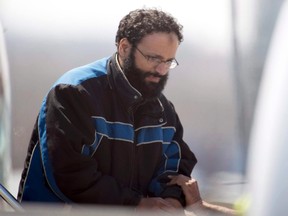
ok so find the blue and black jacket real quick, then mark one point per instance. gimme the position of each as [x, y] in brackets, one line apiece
[96, 140]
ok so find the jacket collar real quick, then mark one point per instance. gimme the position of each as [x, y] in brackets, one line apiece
[130, 97]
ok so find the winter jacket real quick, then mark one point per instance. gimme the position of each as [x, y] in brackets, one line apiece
[96, 140]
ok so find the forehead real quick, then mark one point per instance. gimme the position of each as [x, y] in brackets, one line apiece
[160, 42]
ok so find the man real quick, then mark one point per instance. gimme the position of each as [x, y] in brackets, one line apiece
[105, 133]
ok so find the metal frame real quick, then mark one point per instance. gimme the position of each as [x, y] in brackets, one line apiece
[10, 199]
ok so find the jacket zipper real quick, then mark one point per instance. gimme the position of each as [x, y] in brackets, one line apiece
[131, 111]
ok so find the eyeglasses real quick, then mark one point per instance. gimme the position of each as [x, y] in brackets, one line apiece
[155, 61]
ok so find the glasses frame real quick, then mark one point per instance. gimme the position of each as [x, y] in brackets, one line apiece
[171, 64]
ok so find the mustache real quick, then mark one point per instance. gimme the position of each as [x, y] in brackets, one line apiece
[155, 74]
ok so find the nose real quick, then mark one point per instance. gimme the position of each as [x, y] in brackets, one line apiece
[162, 68]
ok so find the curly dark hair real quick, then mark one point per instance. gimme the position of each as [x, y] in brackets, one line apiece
[141, 22]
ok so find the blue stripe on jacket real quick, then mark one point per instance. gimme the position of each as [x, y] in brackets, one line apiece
[111, 130]
[147, 135]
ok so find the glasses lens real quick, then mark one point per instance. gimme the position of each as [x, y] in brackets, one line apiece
[173, 64]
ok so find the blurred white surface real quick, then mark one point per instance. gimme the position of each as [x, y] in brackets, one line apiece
[268, 164]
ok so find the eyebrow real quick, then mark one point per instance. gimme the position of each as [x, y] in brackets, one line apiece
[160, 57]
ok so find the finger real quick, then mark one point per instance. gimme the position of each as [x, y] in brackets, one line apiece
[172, 177]
[163, 204]
[173, 180]
[167, 207]
[191, 181]
[181, 180]
[177, 181]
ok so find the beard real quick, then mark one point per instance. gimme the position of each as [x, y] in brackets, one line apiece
[136, 77]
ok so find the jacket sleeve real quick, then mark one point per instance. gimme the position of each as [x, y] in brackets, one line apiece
[65, 125]
[177, 159]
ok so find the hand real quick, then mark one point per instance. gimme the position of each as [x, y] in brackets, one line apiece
[193, 199]
[174, 202]
[189, 187]
[155, 203]
[179, 210]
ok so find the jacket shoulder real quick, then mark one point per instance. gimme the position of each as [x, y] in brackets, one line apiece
[80, 74]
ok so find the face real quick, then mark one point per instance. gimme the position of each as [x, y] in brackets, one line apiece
[142, 80]
[143, 72]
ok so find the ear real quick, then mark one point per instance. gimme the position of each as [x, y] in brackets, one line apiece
[124, 48]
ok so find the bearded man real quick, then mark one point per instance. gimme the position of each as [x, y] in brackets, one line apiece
[105, 133]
